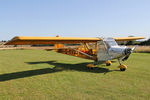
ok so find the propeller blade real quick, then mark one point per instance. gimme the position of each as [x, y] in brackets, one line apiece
[128, 52]
[133, 48]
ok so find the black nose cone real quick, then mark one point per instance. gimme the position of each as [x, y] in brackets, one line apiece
[127, 51]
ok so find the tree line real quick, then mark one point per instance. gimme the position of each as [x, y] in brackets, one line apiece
[146, 42]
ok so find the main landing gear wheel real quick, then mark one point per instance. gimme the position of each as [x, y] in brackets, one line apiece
[108, 63]
[123, 67]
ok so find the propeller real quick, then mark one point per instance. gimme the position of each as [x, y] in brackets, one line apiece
[127, 52]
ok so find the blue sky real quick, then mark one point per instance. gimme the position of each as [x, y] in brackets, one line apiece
[74, 18]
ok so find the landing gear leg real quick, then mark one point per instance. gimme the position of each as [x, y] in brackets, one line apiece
[122, 67]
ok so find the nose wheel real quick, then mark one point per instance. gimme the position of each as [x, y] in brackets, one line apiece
[122, 66]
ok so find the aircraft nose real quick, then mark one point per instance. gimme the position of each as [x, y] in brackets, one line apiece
[127, 51]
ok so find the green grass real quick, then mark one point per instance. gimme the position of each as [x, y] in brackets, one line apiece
[46, 75]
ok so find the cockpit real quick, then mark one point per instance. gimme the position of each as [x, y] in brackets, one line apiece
[110, 42]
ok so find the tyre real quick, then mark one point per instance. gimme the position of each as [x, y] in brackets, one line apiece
[122, 69]
[108, 64]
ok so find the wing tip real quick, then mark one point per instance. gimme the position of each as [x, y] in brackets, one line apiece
[128, 38]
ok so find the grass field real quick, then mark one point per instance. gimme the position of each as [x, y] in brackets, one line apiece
[46, 75]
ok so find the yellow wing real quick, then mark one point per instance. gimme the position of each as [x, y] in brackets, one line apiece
[55, 40]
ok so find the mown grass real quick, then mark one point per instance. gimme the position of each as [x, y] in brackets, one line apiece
[46, 75]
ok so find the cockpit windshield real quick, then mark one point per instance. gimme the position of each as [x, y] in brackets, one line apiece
[110, 42]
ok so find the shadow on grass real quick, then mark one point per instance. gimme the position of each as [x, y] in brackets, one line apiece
[58, 67]
[22, 74]
[77, 67]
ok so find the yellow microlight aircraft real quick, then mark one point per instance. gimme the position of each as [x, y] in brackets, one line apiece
[97, 49]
